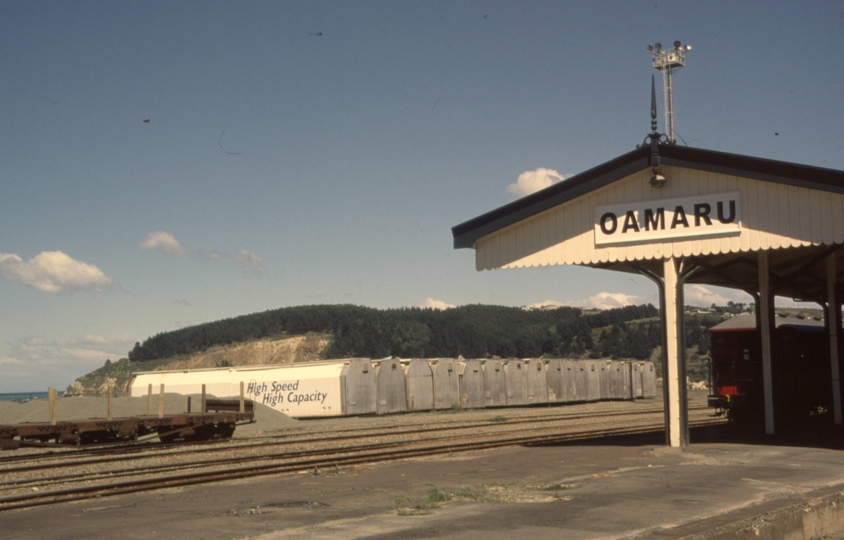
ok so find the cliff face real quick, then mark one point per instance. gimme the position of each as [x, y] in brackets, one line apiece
[262, 352]
[253, 353]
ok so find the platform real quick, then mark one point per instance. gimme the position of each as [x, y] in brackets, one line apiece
[725, 485]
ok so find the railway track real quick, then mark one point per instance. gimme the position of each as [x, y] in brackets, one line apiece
[309, 428]
[38, 483]
[359, 437]
[48, 460]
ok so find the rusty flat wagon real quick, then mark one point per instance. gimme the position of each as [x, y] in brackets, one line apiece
[216, 420]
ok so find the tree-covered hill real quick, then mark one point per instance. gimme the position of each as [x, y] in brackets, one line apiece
[474, 331]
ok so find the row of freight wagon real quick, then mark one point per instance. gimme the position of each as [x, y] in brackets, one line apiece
[397, 386]
[358, 386]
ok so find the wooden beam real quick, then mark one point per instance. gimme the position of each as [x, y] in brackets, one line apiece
[792, 278]
[834, 324]
[660, 284]
[719, 271]
[765, 326]
[675, 362]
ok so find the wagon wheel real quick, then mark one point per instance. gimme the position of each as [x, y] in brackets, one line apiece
[168, 438]
[225, 431]
[168, 434]
[207, 432]
[204, 432]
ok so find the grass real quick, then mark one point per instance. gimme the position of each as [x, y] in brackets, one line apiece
[507, 492]
[480, 492]
[466, 493]
[370, 489]
[554, 487]
[497, 419]
[433, 498]
[436, 496]
[416, 511]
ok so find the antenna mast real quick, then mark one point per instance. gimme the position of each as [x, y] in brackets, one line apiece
[667, 61]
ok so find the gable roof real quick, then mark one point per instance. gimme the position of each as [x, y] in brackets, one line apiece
[777, 172]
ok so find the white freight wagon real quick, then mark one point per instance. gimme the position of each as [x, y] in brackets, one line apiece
[299, 391]
[355, 386]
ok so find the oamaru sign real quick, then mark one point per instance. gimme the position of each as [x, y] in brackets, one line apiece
[699, 215]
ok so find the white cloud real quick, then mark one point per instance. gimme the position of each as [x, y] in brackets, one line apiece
[166, 243]
[46, 352]
[607, 300]
[693, 295]
[435, 304]
[545, 304]
[781, 301]
[252, 263]
[247, 256]
[698, 295]
[532, 181]
[53, 272]
[33, 363]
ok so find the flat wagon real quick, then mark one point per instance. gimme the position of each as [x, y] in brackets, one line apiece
[217, 419]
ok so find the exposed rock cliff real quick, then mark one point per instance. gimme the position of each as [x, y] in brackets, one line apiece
[261, 352]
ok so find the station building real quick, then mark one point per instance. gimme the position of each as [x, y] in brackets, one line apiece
[682, 215]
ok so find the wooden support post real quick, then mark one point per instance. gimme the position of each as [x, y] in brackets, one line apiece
[242, 405]
[188, 404]
[766, 331]
[203, 399]
[161, 401]
[108, 401]
[834, 324]
[51, 404]
[660, 284]
[674, 374]
[149, 399]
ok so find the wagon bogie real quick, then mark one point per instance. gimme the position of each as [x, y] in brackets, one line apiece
[196, 433]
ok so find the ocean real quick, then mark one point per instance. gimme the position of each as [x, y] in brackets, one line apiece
[26, 396]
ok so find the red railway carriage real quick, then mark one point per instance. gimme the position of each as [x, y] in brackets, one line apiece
[801, 372]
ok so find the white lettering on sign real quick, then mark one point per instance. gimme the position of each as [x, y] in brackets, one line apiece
[699, 215]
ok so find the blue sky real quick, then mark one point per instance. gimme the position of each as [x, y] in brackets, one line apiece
[319, 152]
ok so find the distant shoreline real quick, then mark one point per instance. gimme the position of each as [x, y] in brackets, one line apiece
[26, 396]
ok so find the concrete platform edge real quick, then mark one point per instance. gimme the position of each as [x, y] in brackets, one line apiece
[817, 514]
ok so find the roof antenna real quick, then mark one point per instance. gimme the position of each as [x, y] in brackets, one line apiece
[653, 107]
[667, 61]
[654, 139]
